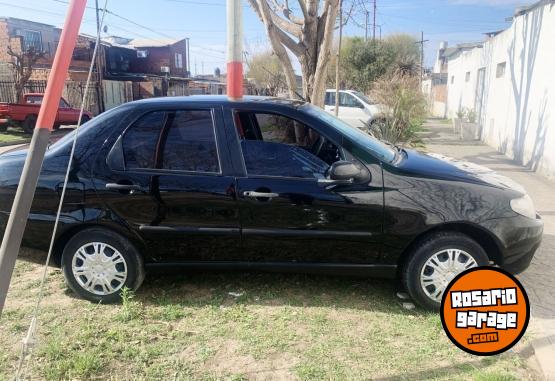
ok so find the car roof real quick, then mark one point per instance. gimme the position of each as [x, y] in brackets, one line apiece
[222, 99]
[345, 91]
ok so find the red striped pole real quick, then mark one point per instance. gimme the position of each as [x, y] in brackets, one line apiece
[33, 163]
[234, 49]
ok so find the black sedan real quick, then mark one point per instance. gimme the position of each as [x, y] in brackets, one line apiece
[264, 184]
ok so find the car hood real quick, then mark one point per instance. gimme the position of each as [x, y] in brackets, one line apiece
[440, 167]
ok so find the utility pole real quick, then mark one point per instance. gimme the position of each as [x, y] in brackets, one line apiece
[366, 29]
[234, 49]
[99, 67]
[421, 42]
[25, 193]
[337, 64]
[375, 9]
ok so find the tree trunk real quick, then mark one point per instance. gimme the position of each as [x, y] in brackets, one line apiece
[314, 34]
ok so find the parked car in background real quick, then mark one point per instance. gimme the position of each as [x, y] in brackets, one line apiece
[264, 184]
[355, 108]
[27, 111]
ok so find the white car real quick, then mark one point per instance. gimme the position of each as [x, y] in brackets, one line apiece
[354, 107]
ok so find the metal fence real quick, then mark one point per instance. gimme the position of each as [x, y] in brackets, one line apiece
[73, 93]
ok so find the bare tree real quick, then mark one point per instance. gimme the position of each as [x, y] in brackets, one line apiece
[308, 35]
[22, 63]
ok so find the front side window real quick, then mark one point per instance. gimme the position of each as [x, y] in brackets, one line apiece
[377, 148]
[347, 100]
[140, 140]
[278, 146]
[191, 143]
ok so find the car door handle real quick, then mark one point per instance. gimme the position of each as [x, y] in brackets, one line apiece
[252, 194]
[123, 187]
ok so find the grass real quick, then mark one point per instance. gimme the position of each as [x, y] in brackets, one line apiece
[13, 134]
[281, 327]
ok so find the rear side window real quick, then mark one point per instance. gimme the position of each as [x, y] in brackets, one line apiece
[191, 143]
[140, 140]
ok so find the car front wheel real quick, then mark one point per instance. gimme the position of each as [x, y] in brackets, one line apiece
[97, 264]
[435, 262]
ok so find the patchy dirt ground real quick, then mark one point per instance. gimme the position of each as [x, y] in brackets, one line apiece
[281, 327]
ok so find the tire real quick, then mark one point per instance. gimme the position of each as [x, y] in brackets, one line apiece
[29, 123]
[418, 272]
[80, 249]
[84, 119]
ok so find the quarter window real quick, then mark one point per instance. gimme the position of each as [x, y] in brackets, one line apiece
[139, 142]
[191, 143]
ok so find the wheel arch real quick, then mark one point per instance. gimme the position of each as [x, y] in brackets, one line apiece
[482, 236]
[62, 240]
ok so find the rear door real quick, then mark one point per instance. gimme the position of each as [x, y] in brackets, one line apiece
[173, 188]
[286, 214]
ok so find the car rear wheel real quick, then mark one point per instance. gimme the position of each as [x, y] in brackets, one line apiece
[97, 264]
[29, 123]
[435, 262]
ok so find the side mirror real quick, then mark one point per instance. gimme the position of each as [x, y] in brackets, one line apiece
[346, 172]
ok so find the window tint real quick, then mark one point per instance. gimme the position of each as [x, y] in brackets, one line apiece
[275, 145]
[139, 141]
[190, 143]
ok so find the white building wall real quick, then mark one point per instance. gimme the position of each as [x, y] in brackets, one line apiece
[518, 109]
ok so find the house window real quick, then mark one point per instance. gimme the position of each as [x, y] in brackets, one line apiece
[452, 79]
[179, 60]
[467, 79]
[142, 53]
[31, 39]
[501, 70]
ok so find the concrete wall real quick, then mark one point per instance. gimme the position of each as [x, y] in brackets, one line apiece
[516, 110]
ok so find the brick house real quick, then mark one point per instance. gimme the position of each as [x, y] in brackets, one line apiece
[166, 58]
[21, 34]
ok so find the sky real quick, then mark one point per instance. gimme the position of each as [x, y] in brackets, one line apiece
[203, 21]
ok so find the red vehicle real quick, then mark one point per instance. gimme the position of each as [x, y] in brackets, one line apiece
[27, 110]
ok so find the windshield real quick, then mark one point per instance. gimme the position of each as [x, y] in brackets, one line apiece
[376, 147]
[363, 97]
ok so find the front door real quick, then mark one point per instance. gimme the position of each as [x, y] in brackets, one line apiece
[351, 110]
[173, 189]
[286, 214]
